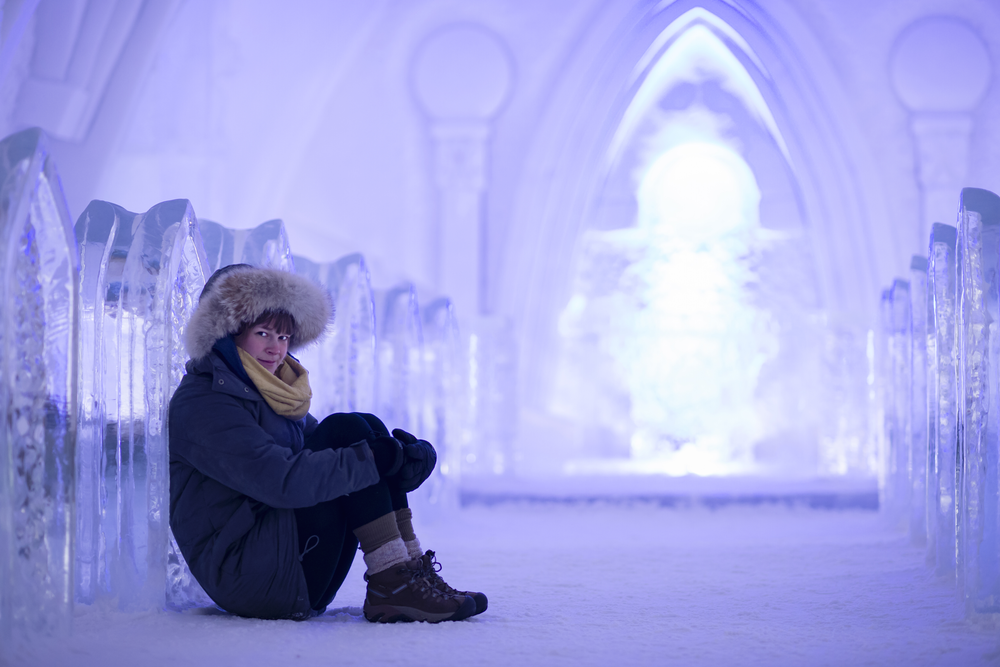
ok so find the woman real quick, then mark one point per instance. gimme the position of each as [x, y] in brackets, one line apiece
[267, 505]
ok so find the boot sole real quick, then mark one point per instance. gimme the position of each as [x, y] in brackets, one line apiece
[386, 613]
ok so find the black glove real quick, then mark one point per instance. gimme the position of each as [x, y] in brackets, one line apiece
[419, 459]
[388, 454]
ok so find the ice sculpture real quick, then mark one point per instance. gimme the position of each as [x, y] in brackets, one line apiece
[342, 365]
[979, 236]
[895, 475]
[142, 277]
[445, 401]
[263, 245]
[917, 463]
[400, 359]
[39, 277]
[492, 388]
[973, 375]
[942, 398]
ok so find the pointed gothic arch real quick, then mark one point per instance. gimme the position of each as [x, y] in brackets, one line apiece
[838, 193]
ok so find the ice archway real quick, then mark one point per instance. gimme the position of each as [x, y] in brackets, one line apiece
[699, 72]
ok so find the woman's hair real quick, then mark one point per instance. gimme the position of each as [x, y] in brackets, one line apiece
[279, 320]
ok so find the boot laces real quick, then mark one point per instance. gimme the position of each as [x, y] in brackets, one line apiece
[432, 568]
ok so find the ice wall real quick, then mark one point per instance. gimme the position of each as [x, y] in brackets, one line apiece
[953, 468]
[39, 276]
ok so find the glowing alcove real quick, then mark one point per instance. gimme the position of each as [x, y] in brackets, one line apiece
[694, 340]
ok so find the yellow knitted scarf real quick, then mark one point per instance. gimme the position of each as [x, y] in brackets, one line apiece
[286, 391]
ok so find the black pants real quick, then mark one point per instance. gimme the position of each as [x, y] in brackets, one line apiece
[326, 538]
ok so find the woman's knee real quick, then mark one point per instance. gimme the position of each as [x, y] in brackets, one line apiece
[341, 429]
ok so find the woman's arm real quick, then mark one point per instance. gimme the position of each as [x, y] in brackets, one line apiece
[216, 434]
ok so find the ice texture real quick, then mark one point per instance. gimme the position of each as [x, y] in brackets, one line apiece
[446, 403]
[39, 277]
[917, 463]
[942, 397]
[140, 291]
[894, 486]
[265, 245]
[973, 341]
[399, 356]
[342, 367]
[492, 388]
[979, 235]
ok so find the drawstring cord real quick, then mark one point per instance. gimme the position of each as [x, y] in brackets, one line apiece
[310, 545]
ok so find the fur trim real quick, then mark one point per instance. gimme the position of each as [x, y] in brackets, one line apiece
[243, 293]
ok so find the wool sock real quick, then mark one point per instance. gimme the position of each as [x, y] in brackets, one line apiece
[381, 543]
[404, 521]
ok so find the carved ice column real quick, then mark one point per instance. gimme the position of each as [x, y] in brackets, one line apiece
[445, 400]
[942, 101]
[39, 279]
[979, 220]
[400, 360]
[899, 407]
[973, 383]
[917, 463]
[265, 245]
[342, 366]
[943, 397]
[140, 294]
[461, 77]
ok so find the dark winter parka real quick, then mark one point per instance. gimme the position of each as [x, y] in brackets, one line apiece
[237, 468]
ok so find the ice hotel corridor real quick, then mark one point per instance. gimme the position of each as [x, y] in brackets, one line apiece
[697, 300]
[604, 585]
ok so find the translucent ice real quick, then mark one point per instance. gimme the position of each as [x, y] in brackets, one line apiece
[400, 359]
[979, 234]
[39, 275]
[263, 245]
[142, 279]
[941, 279]
[342, 365]
[917, 463]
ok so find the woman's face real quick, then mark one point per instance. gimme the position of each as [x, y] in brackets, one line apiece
[264, 344]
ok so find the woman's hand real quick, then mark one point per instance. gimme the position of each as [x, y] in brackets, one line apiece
[419, 459]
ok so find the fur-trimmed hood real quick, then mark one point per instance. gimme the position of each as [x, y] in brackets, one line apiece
[241, 293]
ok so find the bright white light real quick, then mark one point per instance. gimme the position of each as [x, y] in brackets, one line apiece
[685, 341]
[699, 191]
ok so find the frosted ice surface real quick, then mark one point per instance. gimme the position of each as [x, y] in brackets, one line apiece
[941, 277]
[140, 290]
[263, 245]
[38, 392]
[898, 408]
[979, 234]
[399, 355]
[343, 363]
[446, 403]
[917, 464]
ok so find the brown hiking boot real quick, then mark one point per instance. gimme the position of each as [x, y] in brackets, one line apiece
[404, 593]
[433, 567]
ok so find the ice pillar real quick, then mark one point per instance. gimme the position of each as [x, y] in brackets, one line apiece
[400, 360]
[979, 228]
[942, 393]
[973, 378]
[143, 295]
[445, 400]
[917, 464]
[39, 279]
[343, 363]
[264, 245]
[898, 407]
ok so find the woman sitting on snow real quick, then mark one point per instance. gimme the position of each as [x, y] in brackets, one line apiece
[268, 506]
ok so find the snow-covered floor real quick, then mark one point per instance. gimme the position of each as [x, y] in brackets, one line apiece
[600, 585]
